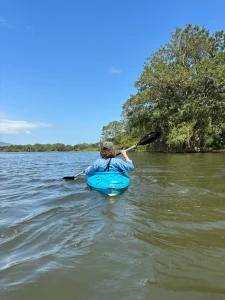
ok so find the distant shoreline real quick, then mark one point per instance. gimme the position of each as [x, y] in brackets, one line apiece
[150, 151]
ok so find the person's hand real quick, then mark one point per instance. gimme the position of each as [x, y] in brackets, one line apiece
[124, 153]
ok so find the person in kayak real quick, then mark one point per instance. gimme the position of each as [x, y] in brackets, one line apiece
[109, 162]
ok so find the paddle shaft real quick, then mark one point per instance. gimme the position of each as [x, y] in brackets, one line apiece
[73, 177]
[79, 174]
[132, 147]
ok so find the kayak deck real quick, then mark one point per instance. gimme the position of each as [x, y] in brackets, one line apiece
[110, 183]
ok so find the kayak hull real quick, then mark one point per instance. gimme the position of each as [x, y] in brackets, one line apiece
[109, 183]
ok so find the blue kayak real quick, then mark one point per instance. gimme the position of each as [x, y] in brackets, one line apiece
[109, 183]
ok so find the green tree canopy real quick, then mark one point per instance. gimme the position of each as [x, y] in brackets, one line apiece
[112, 130]
[115, 132]
[181, 91]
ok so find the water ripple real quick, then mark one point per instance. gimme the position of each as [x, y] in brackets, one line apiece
[162, 239]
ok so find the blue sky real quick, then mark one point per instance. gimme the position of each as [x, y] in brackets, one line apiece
[67, 67]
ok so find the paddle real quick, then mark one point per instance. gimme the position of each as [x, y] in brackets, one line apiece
[147, 139]
[73, 177]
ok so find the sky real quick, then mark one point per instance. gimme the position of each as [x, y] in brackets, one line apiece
[68, 66]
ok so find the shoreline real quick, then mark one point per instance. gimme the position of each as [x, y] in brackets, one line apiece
[165, 152]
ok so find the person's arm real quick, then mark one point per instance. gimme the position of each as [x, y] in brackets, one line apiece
[90, 170]
[126, 165]
[124, 153]
[93, 168]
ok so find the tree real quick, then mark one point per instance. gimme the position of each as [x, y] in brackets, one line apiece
[112, 130]
[181, 91]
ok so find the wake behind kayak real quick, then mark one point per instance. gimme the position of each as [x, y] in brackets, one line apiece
[109, 183]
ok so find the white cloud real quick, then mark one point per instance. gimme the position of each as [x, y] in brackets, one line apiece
[114, 70]
[3, 22]
[15, 127]
[30, 29]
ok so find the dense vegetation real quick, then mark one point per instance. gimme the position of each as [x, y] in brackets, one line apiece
[180, 92]
[49, 147]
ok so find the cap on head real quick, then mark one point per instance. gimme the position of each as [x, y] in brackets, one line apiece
[107, 146]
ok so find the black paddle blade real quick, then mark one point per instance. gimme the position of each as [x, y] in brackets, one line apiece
[73, 177]
[149, 138]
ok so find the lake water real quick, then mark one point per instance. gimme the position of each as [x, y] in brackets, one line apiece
[164, 238]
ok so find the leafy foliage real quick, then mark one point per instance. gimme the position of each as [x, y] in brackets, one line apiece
[49, 147]
[116, 133]
[112, 130]
[181, 91]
